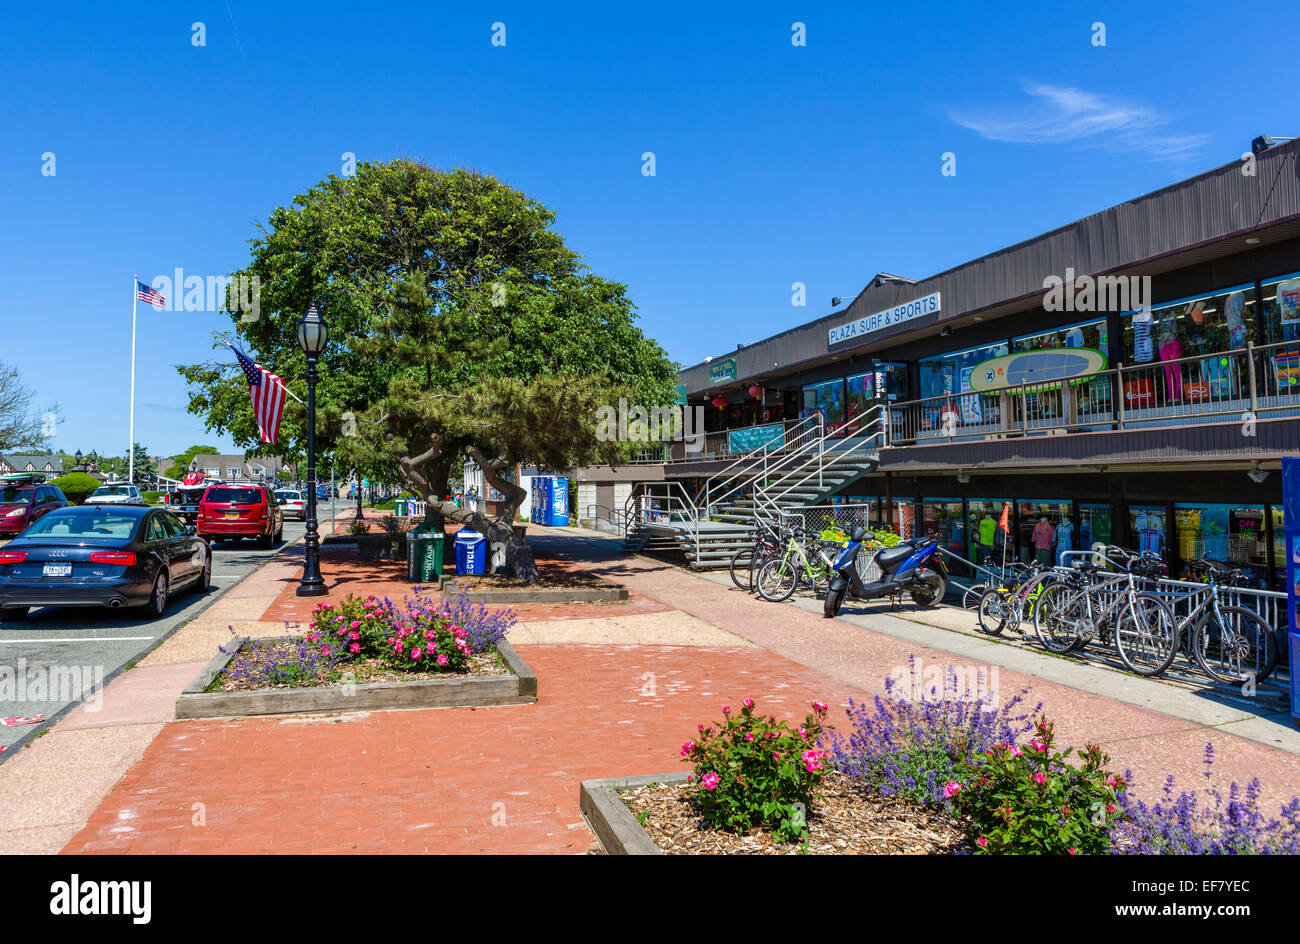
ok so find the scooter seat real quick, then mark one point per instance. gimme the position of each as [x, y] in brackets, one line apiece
[889, 559]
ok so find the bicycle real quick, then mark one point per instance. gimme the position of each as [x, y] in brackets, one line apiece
[1231, 644]
[768, 538]
[778, 577]
[970, 600]
[1072, 613]
[1015, 601]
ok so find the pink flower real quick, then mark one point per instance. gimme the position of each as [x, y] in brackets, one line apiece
[1038, 745]
[356, 623]
[748, 703]
[951, 789]
[819, 706]
[803, 732]
[325, 650]
[1110, 807]
[354, 648]
[749, 736]
[1072, 852]
[417, 652]
[688, 747]
[442, 659]
[701, 727]
[311, 625]
[982, 842]
[354, 635]
[811, 761]
[1015, 750]
[1111, 780]
[1040, 777]
[709, 781]
[726, 709]
[776, 757]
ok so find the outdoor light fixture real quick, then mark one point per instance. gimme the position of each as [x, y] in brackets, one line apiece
[312, 335]
[947, 330]
[1252, 240]
[1266, 141]
[963, 476]
[1256, 474]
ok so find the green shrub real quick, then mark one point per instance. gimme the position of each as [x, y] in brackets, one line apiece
[152, 497]
[886, 537]
[76, 486]
[757, 771]
[1031, 799]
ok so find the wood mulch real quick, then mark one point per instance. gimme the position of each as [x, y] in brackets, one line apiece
[848, 821]
[549, 578]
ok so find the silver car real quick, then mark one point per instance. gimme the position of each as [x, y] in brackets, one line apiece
[292, 502]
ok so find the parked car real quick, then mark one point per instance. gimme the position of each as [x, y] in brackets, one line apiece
[292, 502]
[20, 505]
[231, 512]
[102, 555]
[184, 501]
[115, 493]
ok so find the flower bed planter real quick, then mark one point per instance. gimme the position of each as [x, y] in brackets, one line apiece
[477, 594]
[519, 688]
[849, 823]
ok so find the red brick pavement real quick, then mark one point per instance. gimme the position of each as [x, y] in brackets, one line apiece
[430, 781]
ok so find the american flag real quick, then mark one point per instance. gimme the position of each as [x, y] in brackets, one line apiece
[147, 293]
[268, 393]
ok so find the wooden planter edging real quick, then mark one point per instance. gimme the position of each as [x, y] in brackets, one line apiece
[610, 819]
[607, 594]
[464, 692]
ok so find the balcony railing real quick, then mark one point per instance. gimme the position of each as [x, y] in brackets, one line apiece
[1253, 383]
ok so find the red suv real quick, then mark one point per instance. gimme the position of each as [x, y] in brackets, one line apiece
[240, 511]
[20, 505]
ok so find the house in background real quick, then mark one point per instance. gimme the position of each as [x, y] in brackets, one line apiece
[25, 462]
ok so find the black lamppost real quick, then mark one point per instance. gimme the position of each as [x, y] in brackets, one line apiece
[312, 334]
[356, 486]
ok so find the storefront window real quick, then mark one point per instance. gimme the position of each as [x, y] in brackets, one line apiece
[1092, 396]
[826, 397]
[1046, 530]
[1281, 298]
[1190, 327]
[984, 538]
[860, 389]
[1279, 550]
[942, 520]
[948, 375]
[1149, 529]
[1094, 525]
[1228, 534]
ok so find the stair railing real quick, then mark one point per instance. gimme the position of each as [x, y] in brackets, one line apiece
[871, 434]
[758, 462]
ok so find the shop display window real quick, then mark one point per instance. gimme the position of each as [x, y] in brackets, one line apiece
[1148, 529]
[1230, 534]
[827, 398]
[1046, 531]
[948, 375]
[1095, 525]
[983, 536]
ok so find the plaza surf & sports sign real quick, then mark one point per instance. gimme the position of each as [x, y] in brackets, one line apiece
[884, 319]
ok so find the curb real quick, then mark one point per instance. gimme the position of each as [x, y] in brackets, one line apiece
[609, 818]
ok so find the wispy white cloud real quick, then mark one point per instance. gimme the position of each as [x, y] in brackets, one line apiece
[1063, 115]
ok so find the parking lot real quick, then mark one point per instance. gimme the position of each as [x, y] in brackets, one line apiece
[58, 656]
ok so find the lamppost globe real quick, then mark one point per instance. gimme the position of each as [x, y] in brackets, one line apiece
[313, 333]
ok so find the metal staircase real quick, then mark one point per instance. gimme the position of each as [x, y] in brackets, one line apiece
[812, 464]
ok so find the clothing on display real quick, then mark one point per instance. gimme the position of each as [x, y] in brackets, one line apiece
[988, 530]
[1149, 527]
[1064, 539]
[1142, 349]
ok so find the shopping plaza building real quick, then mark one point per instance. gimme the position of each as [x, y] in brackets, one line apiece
[1130, 378]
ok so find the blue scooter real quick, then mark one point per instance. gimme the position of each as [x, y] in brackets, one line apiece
[912, 567]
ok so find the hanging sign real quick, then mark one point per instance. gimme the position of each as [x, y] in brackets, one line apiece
[722, 371]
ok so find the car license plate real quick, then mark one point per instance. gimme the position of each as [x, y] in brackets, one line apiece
[57, 570]
[232, 515]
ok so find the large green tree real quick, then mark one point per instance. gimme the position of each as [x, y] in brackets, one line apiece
[460, 324]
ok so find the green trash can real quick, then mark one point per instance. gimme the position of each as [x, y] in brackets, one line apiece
[399, 507]
[423, 556]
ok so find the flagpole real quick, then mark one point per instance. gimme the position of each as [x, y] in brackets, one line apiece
[130, 449]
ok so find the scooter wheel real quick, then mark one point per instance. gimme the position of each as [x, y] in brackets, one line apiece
[834, 600]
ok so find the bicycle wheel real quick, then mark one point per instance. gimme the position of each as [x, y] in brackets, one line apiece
[1246, 647]
[742, 569]
[1146, 635]
[1059, 616]
[970, 600]
[777, 579]
[992, 613]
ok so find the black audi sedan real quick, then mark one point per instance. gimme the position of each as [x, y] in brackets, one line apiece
[102, 555]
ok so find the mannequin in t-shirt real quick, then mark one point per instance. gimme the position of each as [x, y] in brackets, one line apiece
[988, 531]
[1064, 539]
[1171, 349]
[1042, 539]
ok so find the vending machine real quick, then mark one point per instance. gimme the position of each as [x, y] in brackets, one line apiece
[559, 513]
[1291, 528]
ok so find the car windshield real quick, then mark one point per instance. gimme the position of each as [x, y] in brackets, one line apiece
[235, 496]
[16, 496]
[288, 496]
[79, 524]
[112, 490]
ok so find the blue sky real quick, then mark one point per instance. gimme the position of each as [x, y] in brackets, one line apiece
[775, 164]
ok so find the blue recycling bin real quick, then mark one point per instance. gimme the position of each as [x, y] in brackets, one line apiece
[471, 553]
